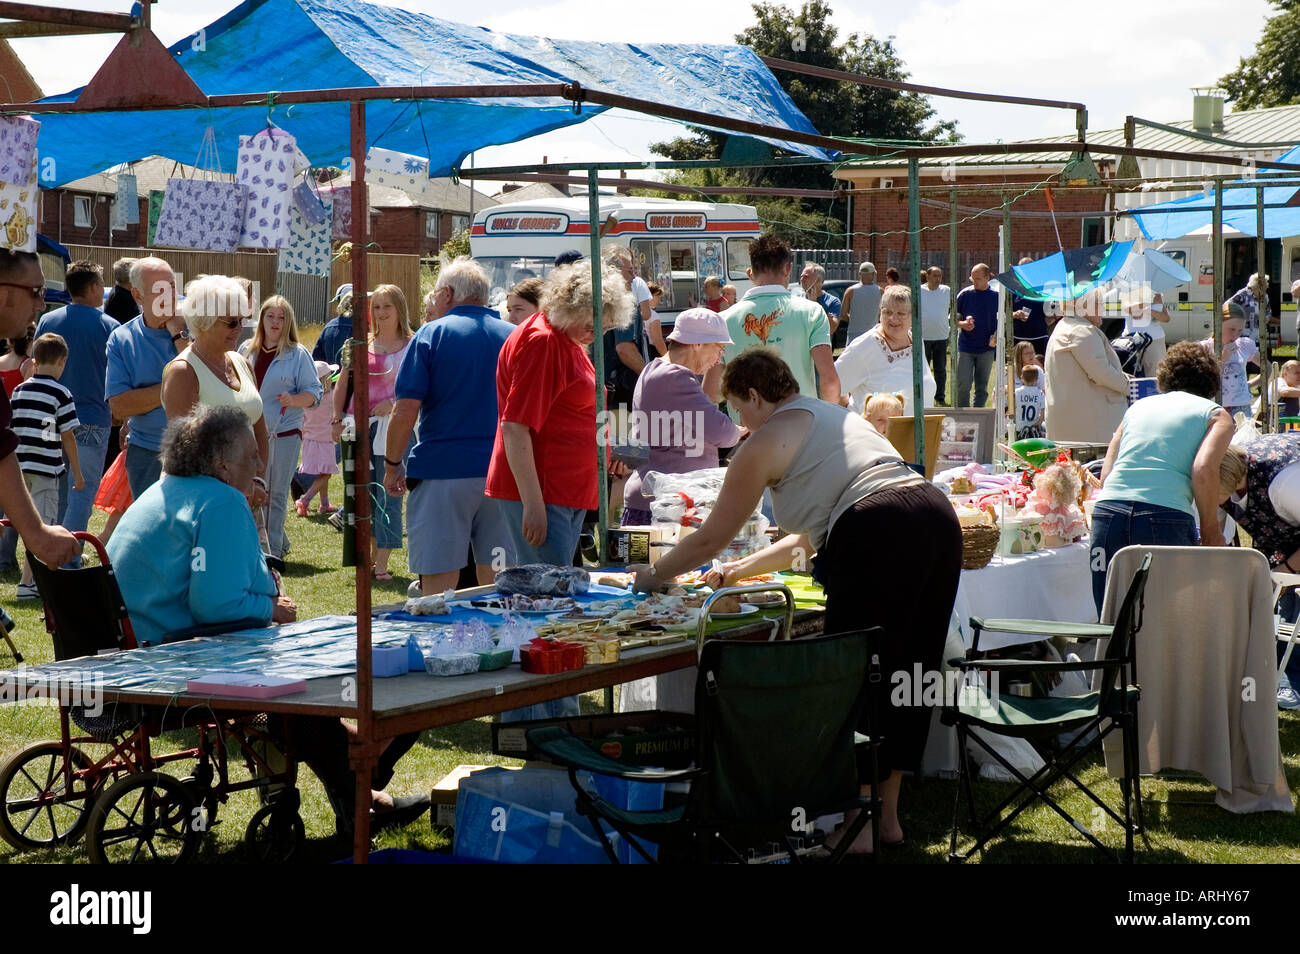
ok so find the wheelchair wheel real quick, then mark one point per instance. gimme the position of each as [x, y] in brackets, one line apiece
[143, 818]
[40, 805]
[275, 833]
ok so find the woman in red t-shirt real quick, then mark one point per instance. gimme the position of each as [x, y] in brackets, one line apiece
[544, 458]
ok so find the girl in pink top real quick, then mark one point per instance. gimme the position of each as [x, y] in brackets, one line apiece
[318, 444]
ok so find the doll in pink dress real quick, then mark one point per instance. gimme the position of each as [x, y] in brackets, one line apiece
[318, 444]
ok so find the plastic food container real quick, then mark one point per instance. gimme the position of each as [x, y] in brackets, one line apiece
[492, 659]
[543, 660]
[453, 664]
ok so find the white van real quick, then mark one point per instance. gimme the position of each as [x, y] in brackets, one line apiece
[1192, 317]
[675, 244]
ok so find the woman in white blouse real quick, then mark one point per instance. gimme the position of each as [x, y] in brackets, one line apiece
[881, 359]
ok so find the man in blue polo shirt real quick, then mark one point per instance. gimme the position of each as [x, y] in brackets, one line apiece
[449, 378]
[86, 330]
[137, 353]
[977, 323]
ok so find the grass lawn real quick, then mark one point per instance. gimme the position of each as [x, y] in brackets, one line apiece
[1184, 824]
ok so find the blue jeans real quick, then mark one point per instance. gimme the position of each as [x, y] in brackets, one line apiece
[143, 468]
[284, 462]
[1117, 524]
[386, 511]
[563, 527]
[973, 368]
[75, 505]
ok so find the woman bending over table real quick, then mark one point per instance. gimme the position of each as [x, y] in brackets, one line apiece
[840, 490]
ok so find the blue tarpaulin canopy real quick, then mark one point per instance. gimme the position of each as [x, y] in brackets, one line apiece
[265, 45]
[1168, 220]
[1067, 275]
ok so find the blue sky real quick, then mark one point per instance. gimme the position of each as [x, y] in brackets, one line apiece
[1116, 56]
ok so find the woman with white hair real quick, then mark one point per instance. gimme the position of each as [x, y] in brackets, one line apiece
[1087, 390]
[1253, 300]
[543, 465]
[210, 372]
[288, 385]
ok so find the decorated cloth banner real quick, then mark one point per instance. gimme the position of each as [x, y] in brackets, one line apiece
[308, 250]
[400, 170]
[126, 210]
[18, 210]
[202, 214]
[155, 209]
[268, 162]
[308, 201]
[342, 196]
[17, 147]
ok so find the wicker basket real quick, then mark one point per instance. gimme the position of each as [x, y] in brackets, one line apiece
[977, 546]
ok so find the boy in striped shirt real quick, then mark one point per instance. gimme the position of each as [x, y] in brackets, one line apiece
[44, 416]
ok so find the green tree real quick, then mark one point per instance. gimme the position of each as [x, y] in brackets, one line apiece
[1271, 76]
[834, 108]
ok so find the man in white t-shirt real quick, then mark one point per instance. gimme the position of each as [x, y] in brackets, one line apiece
[935, 300]
[621, 258]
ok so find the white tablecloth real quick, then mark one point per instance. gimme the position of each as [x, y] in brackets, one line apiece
[1052, 584]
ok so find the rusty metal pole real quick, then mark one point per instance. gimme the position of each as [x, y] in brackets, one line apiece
[954, 286]
[363, 760]
[914, 280]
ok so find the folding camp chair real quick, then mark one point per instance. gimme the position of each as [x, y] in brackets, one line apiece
[775, 748]
[1083, 720]
[1288, 633]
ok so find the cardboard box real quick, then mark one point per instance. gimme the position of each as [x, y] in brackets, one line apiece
[659, 739]
[443, 795]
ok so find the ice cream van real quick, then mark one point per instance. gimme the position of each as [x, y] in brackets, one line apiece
[675, 244]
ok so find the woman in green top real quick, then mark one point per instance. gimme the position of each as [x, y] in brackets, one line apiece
[1162, 467]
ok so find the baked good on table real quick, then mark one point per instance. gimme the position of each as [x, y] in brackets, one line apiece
[726, 604]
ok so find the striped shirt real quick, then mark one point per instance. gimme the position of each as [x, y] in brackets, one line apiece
[43, 411]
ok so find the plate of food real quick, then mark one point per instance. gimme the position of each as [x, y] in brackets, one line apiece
[728, 607]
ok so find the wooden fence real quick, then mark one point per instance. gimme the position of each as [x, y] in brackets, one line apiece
[309, 294]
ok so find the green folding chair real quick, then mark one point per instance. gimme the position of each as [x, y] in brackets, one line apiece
[1084, 721]
[775, 748]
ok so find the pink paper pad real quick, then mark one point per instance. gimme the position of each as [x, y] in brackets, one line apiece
[244, 686]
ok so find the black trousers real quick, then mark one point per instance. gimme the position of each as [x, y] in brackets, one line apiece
[322, 743]
[894, 560]
[936, 352]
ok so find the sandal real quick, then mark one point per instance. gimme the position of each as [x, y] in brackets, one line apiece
[301, 507]
[382, 576]
[328, 509]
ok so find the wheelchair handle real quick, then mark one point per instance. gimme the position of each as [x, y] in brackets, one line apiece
[703, 622]
[81, 535]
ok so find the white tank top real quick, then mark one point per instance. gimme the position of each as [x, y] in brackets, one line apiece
[214, 392]
[842, 460]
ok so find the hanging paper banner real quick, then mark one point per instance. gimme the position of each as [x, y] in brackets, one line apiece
[18, 211]
[400, 170]
[155, 209]
[17, 147]
[126, 210]
[308, 250]
[267, 165]
[201, 214]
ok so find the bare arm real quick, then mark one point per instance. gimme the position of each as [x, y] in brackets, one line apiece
[656, 332]
[180, 391]
[52, 545]
[828, 376]
[792, 550]
[405, 413]
[263, 444]
[136, 401]
[1205, 476]
[518, 441]
[630, 356]
[712, 384]
[1111, 453]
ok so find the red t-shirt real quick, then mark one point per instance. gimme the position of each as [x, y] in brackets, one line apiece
[716, 304]
[546, 381]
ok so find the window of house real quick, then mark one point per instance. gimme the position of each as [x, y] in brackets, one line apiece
[459, 223]
[431, 225]
[81, 206]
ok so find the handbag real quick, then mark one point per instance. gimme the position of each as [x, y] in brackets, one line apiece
[204, 214]
[267, 164]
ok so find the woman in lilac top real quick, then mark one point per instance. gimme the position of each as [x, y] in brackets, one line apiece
[672, 415]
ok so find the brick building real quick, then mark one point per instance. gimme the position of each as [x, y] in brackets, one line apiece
[1085, 216]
